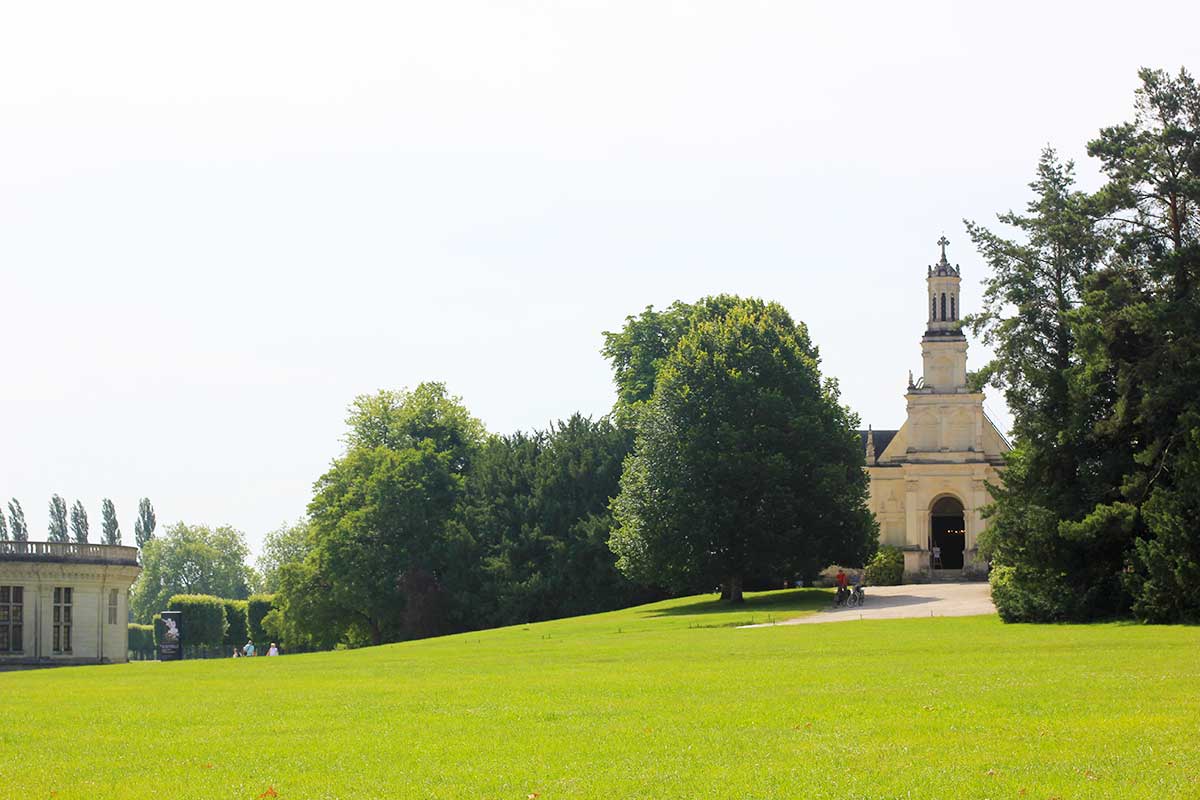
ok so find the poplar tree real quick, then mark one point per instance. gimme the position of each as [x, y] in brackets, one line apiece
[3, 527]
[57, 530]
[79, 523]
[110, 530]
[143, 529]
[16, 515]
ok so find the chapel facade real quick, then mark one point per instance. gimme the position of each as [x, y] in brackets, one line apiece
[928, 478]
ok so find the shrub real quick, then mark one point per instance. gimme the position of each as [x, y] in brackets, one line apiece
[1025, 595]
[236, 615]
[828, 576]
[141, 640]
[886, 567]
[258, 606]
[204, 622]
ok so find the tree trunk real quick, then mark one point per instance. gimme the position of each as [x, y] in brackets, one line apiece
[734, 589]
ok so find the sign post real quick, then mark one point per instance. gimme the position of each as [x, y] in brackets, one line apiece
[170, 636]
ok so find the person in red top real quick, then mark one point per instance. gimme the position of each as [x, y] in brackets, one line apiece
[841, 586]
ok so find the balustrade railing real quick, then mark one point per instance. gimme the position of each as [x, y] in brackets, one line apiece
[68, 551]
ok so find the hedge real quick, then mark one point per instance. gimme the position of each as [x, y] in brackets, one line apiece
[156, 630]
[258, 606]
[235, 614]
[141, 640]
[886, 568]
[203, 619]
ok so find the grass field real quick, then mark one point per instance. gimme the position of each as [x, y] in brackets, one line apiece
[667, 700]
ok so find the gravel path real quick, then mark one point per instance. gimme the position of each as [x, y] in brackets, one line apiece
[912, 600]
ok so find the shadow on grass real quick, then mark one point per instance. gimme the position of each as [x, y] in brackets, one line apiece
[792, 600]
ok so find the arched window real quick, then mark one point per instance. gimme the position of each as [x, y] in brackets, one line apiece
[933, 307]
[943, 306]
[953, 309]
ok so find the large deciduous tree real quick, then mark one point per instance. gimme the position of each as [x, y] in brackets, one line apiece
[57, 529]
[745, 462]
[383, 559]
[287, 544]
[191, 559]
[110, 529]
[638, 351]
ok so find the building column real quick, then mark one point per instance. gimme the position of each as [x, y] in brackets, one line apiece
[973, 566]
[914, 530]
[46, 620]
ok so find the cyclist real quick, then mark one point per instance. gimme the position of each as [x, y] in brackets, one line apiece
[857, 595]
[843, 594]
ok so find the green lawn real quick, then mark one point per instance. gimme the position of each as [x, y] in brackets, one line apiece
[667, 700]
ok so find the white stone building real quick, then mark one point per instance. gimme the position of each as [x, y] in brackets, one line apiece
[64, 603]
[928, 478]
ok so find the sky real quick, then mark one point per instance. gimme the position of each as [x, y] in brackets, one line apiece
[221, 223]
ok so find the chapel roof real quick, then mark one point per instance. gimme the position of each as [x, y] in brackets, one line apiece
[882, 440]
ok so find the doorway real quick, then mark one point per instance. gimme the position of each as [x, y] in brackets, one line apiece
[948, 532]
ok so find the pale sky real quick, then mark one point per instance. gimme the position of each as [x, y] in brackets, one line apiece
[220, 223]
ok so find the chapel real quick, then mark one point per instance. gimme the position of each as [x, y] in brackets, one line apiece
[928, 478]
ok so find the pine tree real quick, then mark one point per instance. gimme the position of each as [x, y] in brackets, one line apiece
[79, 523]
[57, 531]
[16, 515]
[110, 530]
[143, 529]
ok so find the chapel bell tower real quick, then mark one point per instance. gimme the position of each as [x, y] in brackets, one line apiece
[944, 347]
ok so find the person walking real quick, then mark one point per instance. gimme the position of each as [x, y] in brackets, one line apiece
[249, 649]
[273, 651]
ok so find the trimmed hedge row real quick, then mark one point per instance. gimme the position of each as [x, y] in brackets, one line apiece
[238, 631]
[203, 619]
[258, 606]
[210, 625]
[141, 640]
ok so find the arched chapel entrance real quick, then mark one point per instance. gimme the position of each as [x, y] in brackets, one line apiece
[947, 532]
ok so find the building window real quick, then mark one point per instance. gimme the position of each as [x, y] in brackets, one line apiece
[943, 306]
[112, 606]
[12, 619]
[62, 619]
[953, 309]
[933, 307]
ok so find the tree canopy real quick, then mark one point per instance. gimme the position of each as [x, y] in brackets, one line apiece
[1099, 357]
[745, 463]
[191, 559]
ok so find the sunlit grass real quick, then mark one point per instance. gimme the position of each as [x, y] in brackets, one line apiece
[667, 700]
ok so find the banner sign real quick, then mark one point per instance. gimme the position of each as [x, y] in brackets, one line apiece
[170, 636]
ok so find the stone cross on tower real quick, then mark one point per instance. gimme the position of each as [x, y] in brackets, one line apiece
[943, 242]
